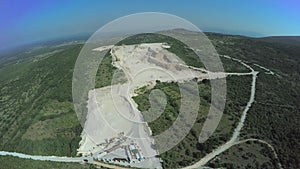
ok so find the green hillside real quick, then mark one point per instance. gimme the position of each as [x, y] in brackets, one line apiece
[37, 114]
[275, 114]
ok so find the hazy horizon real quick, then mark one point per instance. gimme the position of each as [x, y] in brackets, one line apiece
[25, 22]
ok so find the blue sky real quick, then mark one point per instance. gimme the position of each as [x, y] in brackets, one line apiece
[24, 21]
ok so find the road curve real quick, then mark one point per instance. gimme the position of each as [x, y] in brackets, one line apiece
[45, 158]
[264, 142]
[240, 125]
[233, 141]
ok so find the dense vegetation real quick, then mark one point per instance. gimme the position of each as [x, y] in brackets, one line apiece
[37, 114]
[249, 155]
[18, 163]
[233, 66]
[275, 115]
[105, 72]
[189, 150]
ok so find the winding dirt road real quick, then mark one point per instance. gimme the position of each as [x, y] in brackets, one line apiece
[233, 141]
[235, 136]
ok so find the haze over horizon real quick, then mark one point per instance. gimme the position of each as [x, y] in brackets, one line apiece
[29, 21]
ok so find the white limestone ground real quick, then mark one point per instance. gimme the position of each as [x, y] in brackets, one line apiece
[111, 109]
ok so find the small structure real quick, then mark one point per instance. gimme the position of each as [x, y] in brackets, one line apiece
[165, 46]
[128, 153]
[120, 159]
[133, 153]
